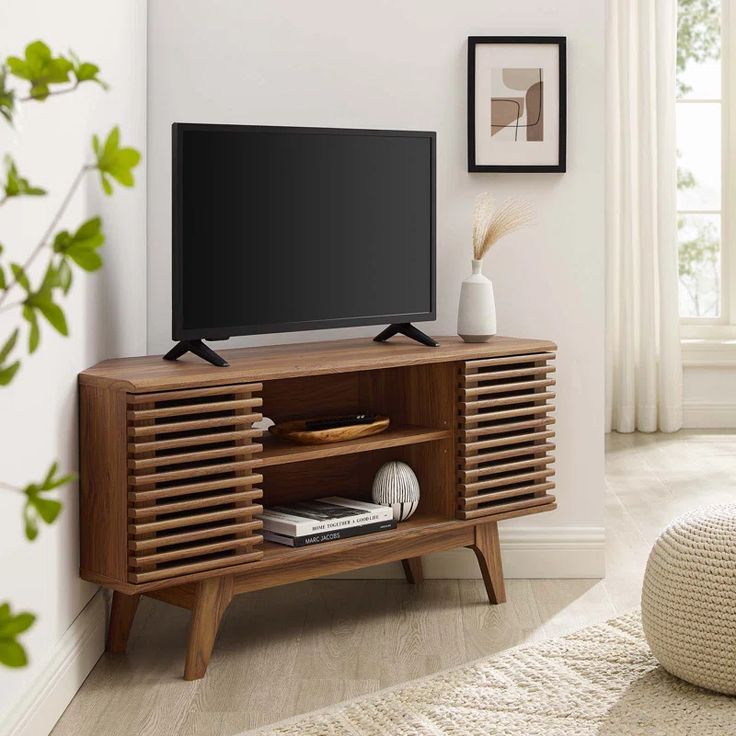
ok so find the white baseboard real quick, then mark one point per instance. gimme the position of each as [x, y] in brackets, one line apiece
[527, 552]
[702, 415]
[76, 653]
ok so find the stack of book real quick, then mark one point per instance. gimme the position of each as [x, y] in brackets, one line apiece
[324, 520]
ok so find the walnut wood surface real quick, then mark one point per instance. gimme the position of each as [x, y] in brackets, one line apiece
[122, 613]
[413, 570]
[151, 373]
[173, 469]
[488, 551]
[278, 452]
[211, 598]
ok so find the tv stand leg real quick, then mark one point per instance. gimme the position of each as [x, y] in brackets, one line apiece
[212, 596]
[199, 349]
[122, 613]
[413, 570]
[488, 551]
[407, 329]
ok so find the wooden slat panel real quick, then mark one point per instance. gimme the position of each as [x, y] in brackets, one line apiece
[195, 551]
[472, 379]
[137, 545]
[505, 401]
[147, 512]
[196, 456]
[499, 468]
[196, 471]
[211, 438]
[208, 423]
[508, 452]
[497, 388]
[194, 519]
[506, 507]
[481, 485]
[483, 498]
[210, 407]
[472, 365]
[171, 572]
[492, 416]
[468, 448]
[210, 485]
[472, 433]
[194, 393]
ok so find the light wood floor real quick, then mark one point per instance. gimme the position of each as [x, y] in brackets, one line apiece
[293, 649]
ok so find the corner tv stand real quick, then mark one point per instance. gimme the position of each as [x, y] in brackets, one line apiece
[173, 472]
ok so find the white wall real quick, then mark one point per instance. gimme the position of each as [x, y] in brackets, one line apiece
[402, 64]
[106, 311]
[709, 384]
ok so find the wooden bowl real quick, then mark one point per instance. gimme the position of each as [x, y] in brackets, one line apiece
[296, 432]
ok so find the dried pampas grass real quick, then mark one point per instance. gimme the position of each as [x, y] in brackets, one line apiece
[491, 222]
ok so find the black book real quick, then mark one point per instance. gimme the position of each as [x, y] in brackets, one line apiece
[329, 536]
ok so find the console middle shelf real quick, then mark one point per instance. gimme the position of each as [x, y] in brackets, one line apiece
[280, 452]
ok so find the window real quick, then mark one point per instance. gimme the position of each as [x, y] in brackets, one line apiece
[707, 255]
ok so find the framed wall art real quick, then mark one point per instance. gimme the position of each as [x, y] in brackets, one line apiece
[517, 109]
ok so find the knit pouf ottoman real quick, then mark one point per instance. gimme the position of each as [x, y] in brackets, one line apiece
[688, 603]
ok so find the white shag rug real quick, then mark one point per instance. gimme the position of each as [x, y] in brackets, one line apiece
[602, 681]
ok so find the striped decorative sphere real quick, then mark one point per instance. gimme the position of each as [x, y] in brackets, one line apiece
[396, 485]
[688, 602]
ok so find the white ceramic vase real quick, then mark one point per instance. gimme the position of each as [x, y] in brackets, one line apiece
[476, 316]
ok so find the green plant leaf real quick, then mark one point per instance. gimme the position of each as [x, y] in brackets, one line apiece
[20, 276]
[7, 96]
[7, 348]
[54, 316]
[39, 507]
[3, 280]
[12, 653]
[86, 71]
[11, 626]
[7, 373]
[82, 246]
[16, 185]
[114, 162]
[65, 276]
[40, 68]
[34, 334]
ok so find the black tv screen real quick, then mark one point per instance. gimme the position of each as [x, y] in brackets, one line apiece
[279, 229]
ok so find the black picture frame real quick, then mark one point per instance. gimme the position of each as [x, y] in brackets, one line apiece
[181, 332]
[561, 165]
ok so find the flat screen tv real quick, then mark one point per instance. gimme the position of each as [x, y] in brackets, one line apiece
[279, 229]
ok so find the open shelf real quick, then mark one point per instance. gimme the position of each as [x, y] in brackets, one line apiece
[419, 521]
[281, 452]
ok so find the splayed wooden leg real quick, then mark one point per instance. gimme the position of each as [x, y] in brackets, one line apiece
[488, 551]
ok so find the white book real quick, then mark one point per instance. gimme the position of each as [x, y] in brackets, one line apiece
[322, 515]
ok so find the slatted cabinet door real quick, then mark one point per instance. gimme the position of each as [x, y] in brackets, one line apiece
[192, 457]
[505, 434]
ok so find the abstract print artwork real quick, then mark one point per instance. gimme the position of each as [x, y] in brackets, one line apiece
[517, 109]
[516, 103]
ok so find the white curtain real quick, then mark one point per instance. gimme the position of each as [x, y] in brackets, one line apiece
[643, 361]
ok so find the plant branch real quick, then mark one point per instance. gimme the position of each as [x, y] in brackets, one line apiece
[51, 93]
[8, 487]
[52, 226]
[10, 306]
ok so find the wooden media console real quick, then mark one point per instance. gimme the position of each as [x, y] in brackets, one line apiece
[173, 474]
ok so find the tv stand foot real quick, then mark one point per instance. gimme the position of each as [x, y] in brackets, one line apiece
[211, 597]
[488, 551]
[413, 570]
[407, 329]
[199, 349]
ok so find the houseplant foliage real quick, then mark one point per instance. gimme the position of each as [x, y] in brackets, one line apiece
[33, 283]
